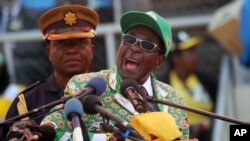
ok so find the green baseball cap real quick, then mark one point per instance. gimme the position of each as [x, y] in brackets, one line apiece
[151, 20]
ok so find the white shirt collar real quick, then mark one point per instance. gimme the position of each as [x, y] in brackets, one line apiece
[148, 86]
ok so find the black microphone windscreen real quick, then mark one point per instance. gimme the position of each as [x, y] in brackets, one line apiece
[126, 83]
[73, 105]
[98, 84]
[48, 133]
[89, 103]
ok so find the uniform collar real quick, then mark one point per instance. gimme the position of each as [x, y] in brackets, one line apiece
[52, 84]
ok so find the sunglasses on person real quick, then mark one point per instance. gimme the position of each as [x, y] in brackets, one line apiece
[144, 44]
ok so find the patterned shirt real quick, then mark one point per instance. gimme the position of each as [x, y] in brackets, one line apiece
[113, 101]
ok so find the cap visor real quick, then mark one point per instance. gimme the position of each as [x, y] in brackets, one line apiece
[192, 42]
[70, 35]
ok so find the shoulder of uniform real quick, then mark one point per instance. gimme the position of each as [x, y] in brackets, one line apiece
[32, 86]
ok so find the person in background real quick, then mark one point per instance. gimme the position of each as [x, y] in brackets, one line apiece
[145, 42]
[197, 88]
[8, 90]
[4, 75]
[69, 30]
[14, 17]
[28, 56]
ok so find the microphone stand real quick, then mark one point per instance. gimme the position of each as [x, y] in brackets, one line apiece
[205, 113]
[130, 133]
[118, 131]
[85, 131]
[52, 104]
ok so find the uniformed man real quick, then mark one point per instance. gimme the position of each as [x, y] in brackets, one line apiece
[69, 31]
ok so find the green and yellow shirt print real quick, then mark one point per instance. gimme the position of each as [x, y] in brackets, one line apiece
[109, 100]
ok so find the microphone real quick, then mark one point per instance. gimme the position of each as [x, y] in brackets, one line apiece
[73, 110]
[96, 85]
[92, 105]
[44, 132]
[129, 89]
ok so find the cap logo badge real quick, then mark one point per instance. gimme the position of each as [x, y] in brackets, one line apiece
[70, 18]
[168, 43]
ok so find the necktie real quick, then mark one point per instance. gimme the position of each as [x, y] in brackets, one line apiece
[143, 92]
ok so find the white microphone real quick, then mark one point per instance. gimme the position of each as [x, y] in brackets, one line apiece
[73, 110]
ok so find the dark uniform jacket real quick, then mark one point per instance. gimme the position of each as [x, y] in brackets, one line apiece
[40, 94]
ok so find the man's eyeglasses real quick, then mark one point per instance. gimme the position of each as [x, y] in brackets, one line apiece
[144, 44]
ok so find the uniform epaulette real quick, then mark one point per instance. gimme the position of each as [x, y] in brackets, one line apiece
[31, 86]
[21, 104]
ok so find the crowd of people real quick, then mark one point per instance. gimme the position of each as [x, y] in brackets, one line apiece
[146, 43]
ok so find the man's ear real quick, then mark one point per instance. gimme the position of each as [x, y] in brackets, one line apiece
[160, 60]
[93, 47]
[49, 51]
[93, 50]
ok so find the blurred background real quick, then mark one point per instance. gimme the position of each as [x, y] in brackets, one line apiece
[23, 59]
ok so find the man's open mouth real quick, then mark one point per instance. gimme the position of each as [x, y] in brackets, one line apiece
[131, 64]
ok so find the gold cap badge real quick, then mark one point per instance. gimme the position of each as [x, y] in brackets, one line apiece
[70, 18]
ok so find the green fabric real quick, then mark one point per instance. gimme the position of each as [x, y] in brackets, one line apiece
[113, 80]
[91, 135]
[151, 20]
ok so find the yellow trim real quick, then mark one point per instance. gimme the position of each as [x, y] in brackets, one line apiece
[5, 105]
[192, 42]
[21, 106]
[69, 35]
[191, 82]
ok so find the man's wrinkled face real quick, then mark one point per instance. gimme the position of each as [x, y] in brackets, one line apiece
[139, 54]
[71, 56]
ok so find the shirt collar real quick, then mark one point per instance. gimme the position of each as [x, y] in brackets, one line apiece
[148, 86]
[115, 80]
